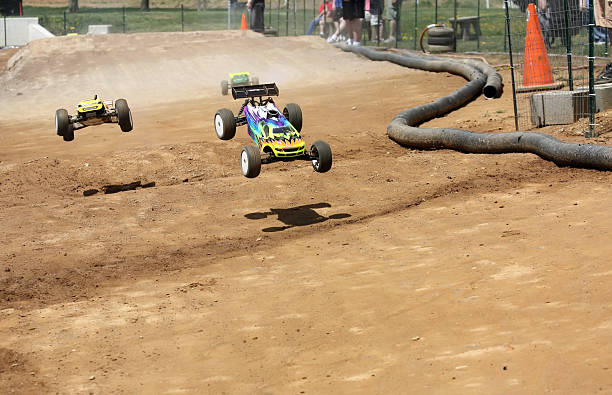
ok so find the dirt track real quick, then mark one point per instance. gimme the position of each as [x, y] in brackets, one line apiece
[398, 271]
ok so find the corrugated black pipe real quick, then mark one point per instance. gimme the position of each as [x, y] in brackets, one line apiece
[481, 79]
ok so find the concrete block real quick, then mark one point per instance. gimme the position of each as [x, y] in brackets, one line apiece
[19, 31]
[604, 96]
[36, 31]
[564, 107]
[98, 29]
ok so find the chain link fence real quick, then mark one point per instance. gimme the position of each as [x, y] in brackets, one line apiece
[553, 82]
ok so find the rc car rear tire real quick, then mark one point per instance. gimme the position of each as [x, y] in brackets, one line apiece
[250, 161]
[321, 156]
[254, 81]
[225, 124]
[124, 115]
[62, 121]
[224, 87]
[293, 113]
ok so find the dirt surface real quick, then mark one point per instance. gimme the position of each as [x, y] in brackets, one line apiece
[398, 271]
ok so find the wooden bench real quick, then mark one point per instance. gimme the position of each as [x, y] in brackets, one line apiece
[469, 27]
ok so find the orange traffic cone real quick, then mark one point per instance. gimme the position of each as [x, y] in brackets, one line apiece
[243, 24]
[537, 70]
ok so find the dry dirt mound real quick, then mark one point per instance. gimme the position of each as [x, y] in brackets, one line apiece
[154, 68]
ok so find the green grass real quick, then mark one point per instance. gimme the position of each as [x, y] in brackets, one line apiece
[492, 22]
[59, 22]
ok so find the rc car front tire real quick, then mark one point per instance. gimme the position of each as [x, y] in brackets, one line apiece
[321, 156]
[250, 161]
[224, 87]
[293, 113]
[225, 124]
[69, 133]
[124, 115]
[62, 121]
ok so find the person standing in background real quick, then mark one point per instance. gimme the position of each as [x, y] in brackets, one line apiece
[353, 11]
[325, 15]
[257, 8]
[376, 14]
[394, 7]
[339, 23]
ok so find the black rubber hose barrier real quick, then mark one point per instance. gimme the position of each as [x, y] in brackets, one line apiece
[481, 79]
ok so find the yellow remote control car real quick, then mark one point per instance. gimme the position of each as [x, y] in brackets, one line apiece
[237, 79]
[93, 112]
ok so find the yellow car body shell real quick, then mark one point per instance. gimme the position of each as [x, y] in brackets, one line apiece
[90, 105]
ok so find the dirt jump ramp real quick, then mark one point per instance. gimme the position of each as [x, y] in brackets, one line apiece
[482, 79]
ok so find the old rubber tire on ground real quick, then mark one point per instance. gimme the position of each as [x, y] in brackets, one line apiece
[439, 31]
[124, 115]
[62, 121]
[440, 41]
[321, 155]
[441, 48]
[250, 161]
[293, 113]
[224, 87]
[254, 81]
[225, 124]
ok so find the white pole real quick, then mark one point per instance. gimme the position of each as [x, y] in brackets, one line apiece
[487, 4]
[229, 18]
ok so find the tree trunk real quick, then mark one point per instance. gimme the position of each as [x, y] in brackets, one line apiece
[73, 6]
[144, 5]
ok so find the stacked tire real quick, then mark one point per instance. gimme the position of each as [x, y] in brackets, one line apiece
[440, 39]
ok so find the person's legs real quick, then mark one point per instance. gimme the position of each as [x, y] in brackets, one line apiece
[340, 30]
[392, 27]
[356, 30]
[312, 25]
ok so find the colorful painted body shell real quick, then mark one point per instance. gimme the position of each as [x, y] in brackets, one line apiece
[272, 132]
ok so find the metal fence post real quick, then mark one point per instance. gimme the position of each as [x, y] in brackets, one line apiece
[278, 18]
[416, 19]
[294, 17]
[378, 26]
[478, 35]
[229, 17]
[5, 40]
[591, 132]
[65, 31]
[568, 46]
[123, 19]
[436, 12]
[182, 18]
[397, 24]
[455, 26]
[287, 18]
[304, 10]
[511, 65]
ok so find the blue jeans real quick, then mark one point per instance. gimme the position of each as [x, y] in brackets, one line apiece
[312, 25]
